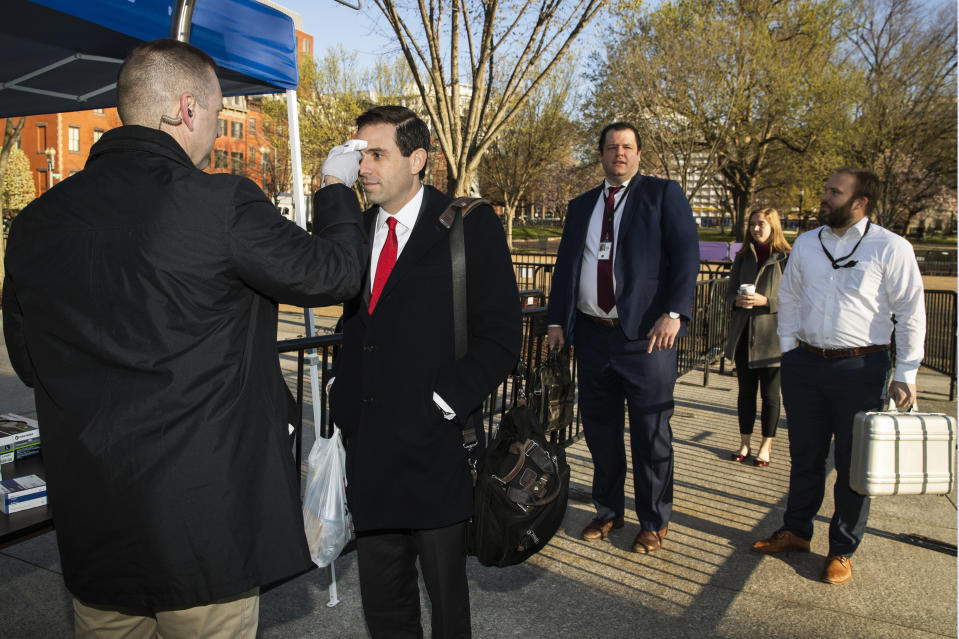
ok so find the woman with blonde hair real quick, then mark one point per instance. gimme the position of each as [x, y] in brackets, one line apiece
[752, 343]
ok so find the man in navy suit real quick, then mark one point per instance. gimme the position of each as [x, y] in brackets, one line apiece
[622, 292]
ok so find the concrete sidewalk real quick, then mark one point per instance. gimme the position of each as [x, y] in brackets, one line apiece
[704, 583]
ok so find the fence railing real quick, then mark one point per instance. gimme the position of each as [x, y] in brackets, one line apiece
[940, 343]
[936, 261]
[702, 347]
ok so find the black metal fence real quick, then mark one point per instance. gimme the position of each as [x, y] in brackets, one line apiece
[940, 344]
[702, 347]
[937, 261]
[707, 328]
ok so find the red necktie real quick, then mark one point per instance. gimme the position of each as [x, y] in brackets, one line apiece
[385, 264]
[605, 296]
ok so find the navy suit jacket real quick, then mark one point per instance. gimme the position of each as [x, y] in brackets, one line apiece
[656, 262]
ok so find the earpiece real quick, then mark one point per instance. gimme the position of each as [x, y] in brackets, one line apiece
[189, 112]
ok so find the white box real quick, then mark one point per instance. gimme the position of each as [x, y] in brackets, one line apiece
[22, 493]
[902, 453]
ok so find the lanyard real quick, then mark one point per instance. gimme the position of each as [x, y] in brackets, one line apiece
[836, 262]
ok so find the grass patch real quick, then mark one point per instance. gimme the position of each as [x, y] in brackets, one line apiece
[535, 232]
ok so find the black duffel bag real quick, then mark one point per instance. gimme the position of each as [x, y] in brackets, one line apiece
[521, 492]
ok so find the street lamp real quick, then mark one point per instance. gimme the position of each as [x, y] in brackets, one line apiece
[50, 152]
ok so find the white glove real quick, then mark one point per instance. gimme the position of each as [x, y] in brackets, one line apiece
[343, 162]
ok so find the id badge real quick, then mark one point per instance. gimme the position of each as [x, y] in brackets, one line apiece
[605, 248]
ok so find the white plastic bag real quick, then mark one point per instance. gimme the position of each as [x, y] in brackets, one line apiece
[326, 517]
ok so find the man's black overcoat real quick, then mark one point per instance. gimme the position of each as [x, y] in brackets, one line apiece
[406, 465]
[140, 302]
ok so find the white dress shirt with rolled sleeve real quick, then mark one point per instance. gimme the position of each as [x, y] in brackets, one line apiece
[852, 307]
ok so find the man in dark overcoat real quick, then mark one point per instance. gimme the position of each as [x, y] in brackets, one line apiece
[400, 396]
[622, 292]
[140, 302]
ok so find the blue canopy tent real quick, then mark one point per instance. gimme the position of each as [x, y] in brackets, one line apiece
[63, 55]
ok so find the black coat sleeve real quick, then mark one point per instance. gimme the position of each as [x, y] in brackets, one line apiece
[289, 265]
[681, 245]
[495, 320]
[13, 334]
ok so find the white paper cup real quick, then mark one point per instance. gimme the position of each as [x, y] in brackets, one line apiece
[747, 289]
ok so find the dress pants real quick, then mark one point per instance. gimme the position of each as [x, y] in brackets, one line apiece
[389, 584]
[229, 618]
[612, 369]
[822, 396]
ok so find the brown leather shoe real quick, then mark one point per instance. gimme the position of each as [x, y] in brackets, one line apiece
[599, 529]
[648, 541]
[838, 569]
[781, 541]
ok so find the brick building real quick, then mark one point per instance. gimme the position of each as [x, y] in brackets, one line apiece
[63, 140]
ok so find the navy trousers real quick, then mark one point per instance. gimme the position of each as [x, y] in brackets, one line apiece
[614, 371]
[822, 396]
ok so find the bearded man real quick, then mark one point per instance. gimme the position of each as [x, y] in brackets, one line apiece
[844, 285]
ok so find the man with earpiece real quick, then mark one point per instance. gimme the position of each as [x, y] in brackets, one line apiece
[140, 303]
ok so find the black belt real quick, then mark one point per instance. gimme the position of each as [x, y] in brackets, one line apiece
[835, 353]
[606, 322]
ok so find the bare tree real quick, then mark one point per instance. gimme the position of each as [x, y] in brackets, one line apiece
[528, 147]
[905, 128]
[475, 65]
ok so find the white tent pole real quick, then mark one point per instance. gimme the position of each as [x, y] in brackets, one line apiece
[293, 119]
[299, 208]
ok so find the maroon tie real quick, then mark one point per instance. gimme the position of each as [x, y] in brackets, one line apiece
[385, 264]
[605, 296]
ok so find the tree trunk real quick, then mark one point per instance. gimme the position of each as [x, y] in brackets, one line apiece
[509, 211]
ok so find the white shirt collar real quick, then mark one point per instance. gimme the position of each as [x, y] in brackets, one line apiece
[859, 227]
[407, 215]
[607, 186]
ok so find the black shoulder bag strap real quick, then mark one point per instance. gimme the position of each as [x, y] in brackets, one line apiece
[452, 218]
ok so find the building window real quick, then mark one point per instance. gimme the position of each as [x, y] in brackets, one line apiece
[252, 126]
[97, 134]
[252, 154]
[236, 162]
[219, 158]
[73, 144]
[98, 111]
[236, 129]
[41, 138]
[224, 128]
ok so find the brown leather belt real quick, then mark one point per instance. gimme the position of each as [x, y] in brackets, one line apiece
[611, 322]
[833, 353]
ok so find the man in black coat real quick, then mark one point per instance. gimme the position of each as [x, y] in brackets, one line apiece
[140, 302]
[400, 396]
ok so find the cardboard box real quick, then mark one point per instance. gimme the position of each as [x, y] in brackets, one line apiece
[19, 437]
[22, 493]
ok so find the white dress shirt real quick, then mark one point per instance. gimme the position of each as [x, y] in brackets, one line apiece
[587, 302]
[405, 221]
[851, 307]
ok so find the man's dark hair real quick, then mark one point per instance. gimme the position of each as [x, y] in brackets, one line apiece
[411, 132]
[867, 186]
[619, 126]
[159, 71]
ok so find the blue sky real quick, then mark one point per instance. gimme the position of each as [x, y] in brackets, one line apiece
[331, 23]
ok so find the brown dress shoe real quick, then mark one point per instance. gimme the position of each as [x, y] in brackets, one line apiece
[781, 541]
[648, 541]
[599, 528]
[838, 569]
